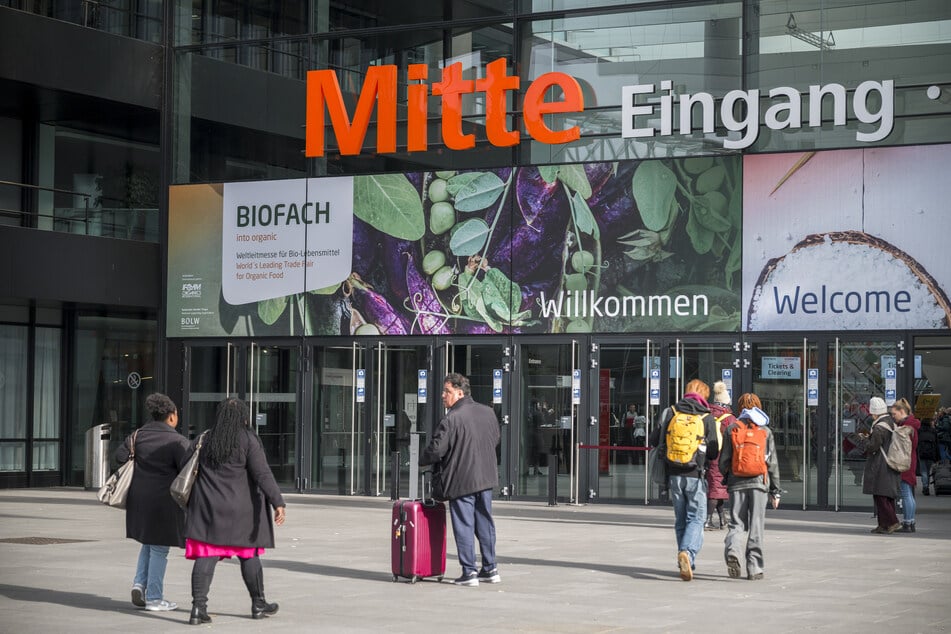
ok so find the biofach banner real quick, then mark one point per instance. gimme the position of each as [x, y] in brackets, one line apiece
[847, 240]
[634, 246]
[253, 244]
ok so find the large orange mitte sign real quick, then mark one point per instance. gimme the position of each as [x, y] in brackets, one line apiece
[380, 88]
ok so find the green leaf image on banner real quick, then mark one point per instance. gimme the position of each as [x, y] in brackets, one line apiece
[270, 310]
[548, 173]
[391, 204]
[583, 217]
[456, 183]
[469, 237]
[576, 179]
[480, 192]
[654, 186]
[711, 209]
[700, 236]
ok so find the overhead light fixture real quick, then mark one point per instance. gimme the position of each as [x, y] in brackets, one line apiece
[819, 41]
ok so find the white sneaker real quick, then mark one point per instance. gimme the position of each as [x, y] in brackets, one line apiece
[160, 605]
[138, 596]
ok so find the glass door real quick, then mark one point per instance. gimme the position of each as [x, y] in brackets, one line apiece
[273, 383]
[781, 379]
[549, 437]
[338, 438]
[212, 377]
[488, 365]
[400, 398]
[700, 360]
[623, 412]
[861, 370]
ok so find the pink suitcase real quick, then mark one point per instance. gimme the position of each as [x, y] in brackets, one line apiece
[418, 540]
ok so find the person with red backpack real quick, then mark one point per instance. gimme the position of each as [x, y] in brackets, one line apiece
[751, 469]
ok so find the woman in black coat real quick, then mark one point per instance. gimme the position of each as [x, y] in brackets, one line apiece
[229, 508]
[152, 517]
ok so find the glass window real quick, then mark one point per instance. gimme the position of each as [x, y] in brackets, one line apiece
[846, 42]
[114, 364]
[217, 21]
[112, 185]
[695, 49]
[13, 395]
[47, 386]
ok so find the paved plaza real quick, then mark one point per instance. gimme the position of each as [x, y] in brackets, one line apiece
[593, 568]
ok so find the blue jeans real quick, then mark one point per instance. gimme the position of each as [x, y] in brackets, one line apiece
[472, 519]
[150, 571]
[689, 497]
[908, 502]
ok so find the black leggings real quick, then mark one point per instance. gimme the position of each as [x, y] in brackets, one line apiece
[204, 571]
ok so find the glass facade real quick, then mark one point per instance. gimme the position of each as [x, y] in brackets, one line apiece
[207, 92]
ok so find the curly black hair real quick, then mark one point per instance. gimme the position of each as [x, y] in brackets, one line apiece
[160, 406]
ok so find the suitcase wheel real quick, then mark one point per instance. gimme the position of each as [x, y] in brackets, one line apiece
[396, 578]
[413, 579]
[439, 578]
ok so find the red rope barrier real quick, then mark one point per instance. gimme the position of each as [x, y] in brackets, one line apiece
[614, 447]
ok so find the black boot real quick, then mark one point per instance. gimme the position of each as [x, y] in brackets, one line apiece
[202, 573]
[261, 608]
[722, 520]
[199, 616]
[253, 576]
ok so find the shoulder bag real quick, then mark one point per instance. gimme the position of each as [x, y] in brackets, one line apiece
[116, 489]
[181, 488]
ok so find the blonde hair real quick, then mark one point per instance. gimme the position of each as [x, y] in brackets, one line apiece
[903, 405]
[698, 387]
[748, 401]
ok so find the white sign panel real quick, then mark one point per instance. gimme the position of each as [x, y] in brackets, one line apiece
[655, 387]
[726, 375]
[576, 387]
[891, 377]
[496, 386]
[781, 368]
[812, 387]
[422, 377]
[284, 237]
[361, 386]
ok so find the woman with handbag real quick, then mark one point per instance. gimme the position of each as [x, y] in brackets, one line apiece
[229, 509]
[152, 517]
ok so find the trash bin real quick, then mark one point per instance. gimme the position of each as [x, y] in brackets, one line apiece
[97, 455]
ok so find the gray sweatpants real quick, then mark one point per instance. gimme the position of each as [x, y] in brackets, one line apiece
[744, 540]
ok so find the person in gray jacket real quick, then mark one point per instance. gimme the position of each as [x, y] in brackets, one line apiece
[463, 448]
[748, 496]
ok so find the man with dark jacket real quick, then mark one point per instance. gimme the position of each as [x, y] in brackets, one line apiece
[687, 482]
[463, 446]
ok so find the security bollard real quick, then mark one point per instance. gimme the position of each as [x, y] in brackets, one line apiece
[553, 478]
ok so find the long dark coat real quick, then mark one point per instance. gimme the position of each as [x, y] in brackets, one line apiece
[231, 503]
[152, 516]
[463, 445]
[879, 478]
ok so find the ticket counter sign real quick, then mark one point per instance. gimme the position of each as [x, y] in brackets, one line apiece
[781, 368]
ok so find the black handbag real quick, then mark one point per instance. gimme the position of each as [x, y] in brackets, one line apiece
[115, 491]
[181, 489]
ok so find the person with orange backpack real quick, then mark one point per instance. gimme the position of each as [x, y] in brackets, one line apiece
[751, 470]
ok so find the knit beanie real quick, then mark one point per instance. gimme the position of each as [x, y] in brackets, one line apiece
[720, 393]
